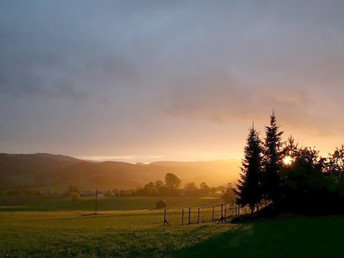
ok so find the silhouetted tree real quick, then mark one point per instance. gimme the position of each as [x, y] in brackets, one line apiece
[159, 187]
[220, 188]
[159, 184]
[149, 189]
[303, 185]
[172, 182]
[74, 196]
[310, 184]
[291, 148]
[190, 189]
[204, 188]
[229, 195]
[335, 164]
[272, 160]
[160, 204]
[248, 188]
[73, 192]
[73, 188]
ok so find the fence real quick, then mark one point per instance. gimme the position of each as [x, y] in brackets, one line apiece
[203, 214]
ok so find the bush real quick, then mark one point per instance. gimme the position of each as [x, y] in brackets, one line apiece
[74, 196]
[228, 196]
[160, 204]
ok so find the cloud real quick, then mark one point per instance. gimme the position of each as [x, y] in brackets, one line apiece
[52, 51]
[122, 77]
[221, 99]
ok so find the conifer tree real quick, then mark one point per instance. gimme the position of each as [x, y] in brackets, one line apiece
[248, 189]
[272, 160]
[291, 147]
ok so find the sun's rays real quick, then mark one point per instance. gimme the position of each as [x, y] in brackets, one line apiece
[288, 160]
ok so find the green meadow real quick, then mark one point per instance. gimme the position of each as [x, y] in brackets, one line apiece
[42, 231]
[105, 204]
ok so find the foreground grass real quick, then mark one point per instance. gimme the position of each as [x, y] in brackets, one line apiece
[140, 233]
[130, 226]
[286, 236]
[112, 233]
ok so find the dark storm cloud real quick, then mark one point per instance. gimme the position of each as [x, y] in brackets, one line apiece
[143, 73]
[53, 51]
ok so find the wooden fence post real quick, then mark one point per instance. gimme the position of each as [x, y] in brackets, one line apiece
[182, 216]
[189, 218]
[198, 210]
[165, 218]
[222, 219]
[225, 210]
[213, 214]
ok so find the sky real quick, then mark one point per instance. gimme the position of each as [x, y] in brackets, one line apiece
[140, 81]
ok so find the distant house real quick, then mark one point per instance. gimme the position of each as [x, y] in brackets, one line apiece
[100, 194]
[87, 194]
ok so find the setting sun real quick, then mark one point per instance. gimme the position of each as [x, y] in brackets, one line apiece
[288, 160]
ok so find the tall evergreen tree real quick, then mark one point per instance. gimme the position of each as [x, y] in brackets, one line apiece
[272, 160]
[290, 148]
[248, 188]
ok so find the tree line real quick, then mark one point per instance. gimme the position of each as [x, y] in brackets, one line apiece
[286, 177]
[171, 187]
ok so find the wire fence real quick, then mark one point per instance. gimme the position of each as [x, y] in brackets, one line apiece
[203, 214]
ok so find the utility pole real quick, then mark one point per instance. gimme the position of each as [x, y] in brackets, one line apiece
[96, 204]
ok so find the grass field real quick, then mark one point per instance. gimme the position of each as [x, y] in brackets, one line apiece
[105, 204]
[140, 232]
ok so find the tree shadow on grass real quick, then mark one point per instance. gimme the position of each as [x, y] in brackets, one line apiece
[283, 237]
[219, 245]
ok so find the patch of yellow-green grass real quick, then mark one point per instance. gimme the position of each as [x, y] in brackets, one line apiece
[111, 233]
[109, 203]
[136, 232]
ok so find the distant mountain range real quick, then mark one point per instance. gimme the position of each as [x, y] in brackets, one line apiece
[46, 170]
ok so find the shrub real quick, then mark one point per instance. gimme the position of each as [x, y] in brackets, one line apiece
[74, 196]
[160, 204]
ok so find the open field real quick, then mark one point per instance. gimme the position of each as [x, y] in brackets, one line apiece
[130, 233]
[140, 232]
[104, 204]
[113, 233]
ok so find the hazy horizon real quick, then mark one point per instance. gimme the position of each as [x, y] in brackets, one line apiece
[180, 80]
[127, 159]
[143, 159]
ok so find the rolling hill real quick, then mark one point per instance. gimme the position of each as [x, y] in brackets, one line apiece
[44, 170]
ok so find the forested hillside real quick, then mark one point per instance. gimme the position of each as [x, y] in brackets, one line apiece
[42, 170]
